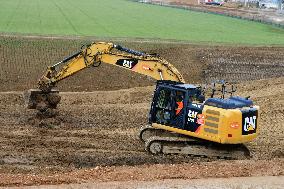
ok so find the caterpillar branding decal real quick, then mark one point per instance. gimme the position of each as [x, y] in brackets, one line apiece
[127, 63]
[192, 115]
[194, 118]
[249, 122]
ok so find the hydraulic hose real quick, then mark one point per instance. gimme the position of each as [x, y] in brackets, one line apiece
[137, 53]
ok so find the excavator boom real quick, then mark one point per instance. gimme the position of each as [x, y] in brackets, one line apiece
[46, 97]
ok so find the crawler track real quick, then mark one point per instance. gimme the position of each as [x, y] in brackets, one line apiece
[158, 141]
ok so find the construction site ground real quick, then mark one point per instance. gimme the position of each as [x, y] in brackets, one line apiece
[94, 137]
[273, 182]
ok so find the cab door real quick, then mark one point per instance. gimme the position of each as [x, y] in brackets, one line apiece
[169, 107]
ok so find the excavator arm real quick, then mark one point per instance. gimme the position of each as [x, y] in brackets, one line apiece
[109, 53]
[46, 97]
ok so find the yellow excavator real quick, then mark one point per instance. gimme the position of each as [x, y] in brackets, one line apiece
[181, 120]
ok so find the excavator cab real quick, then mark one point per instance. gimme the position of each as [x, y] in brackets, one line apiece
[181, 121]
[171, 99]
[182, 108]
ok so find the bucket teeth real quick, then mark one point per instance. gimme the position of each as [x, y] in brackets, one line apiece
[37, 99]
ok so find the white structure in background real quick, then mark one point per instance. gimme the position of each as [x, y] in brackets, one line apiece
[263, 4]
[144, 1]
[268, 4]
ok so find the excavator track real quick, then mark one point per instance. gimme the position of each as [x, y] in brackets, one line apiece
[158, 141]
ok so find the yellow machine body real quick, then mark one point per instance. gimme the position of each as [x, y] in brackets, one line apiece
[232, 120]
[109, 53]
[221, 126]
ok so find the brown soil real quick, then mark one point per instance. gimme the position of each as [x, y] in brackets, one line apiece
[94, 135]
[23, 61]
[252, 182]
[155, 172]
[100, 129]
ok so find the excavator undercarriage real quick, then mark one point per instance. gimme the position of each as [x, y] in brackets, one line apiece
[159, 141]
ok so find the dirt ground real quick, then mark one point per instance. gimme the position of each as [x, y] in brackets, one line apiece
[268, 182]
[23, 61]
[94, 137]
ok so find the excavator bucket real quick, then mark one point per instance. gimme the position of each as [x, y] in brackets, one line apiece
[37, 99]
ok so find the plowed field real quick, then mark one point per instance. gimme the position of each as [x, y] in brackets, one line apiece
[99, 128]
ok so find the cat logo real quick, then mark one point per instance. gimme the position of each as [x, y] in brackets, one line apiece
[192, 115]
[250, 123]
[127, 63]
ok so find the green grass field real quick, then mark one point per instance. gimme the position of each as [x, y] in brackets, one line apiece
[121, 18]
